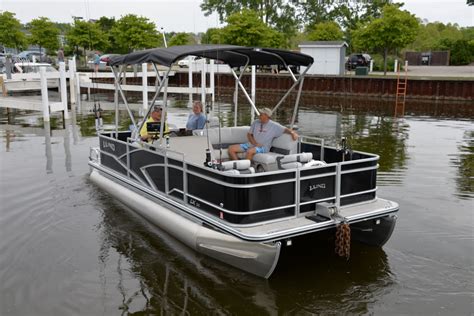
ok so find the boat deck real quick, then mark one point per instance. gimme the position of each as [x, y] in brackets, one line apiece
[361, 211]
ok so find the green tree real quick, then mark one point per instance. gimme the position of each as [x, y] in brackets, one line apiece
[212, 36]
[313, 12]
[134, 32]
[106, 24]
[468, 33]
[181, 39]
[87, 35]
[395, 29]
[62, 27]
[278, 14]
[43, 33]
[246, 29]
[461, 51]
[347, 14]
[326, 31]
[429, 36]
[10, 31]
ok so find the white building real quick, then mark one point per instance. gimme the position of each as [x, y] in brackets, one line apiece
[329, 57]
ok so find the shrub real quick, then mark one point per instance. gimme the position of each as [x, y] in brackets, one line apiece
[378, 62]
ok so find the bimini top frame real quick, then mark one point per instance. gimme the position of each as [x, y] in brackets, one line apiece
[235, 56]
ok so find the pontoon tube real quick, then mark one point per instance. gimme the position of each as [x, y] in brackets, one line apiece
[256, 258]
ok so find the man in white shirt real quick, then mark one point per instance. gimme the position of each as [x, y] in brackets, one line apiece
[260, 136]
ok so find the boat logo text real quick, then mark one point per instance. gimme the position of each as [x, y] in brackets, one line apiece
[107, 144]
[317, 186]
[194, 202]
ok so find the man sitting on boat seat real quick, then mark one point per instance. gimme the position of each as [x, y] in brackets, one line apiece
[260, 136]
[155, 117]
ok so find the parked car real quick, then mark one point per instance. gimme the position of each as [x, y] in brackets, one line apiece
[27, 55]
[106, 58]
[185, 62]
[358, 60]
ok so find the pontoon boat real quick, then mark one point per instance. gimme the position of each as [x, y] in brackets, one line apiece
[239, 212]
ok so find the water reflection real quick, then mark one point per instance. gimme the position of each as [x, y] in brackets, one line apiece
[376, 105]
[67, 146]
[311, 279]
[47, 147]
[464, 162]
[384, 136]
[170, 278]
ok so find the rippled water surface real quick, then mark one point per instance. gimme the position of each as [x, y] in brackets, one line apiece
[66, 248]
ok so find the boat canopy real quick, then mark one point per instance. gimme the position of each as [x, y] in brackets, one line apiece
[234, 56]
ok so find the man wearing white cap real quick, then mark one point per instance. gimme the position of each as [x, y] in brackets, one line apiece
[260, 136]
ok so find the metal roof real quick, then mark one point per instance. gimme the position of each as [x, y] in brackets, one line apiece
[235, 56]
[323, 43]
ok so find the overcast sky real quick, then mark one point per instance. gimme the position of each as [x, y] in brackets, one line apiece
[186, 15]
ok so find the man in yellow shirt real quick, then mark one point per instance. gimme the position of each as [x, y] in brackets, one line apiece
[155, 117]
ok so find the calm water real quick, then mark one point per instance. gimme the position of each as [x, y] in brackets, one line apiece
[66, 248]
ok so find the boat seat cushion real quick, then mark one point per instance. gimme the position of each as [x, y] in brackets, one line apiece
[273, 161]
[266, 158]
[281, 146]
[284, 145]
[237, 167]
[228, 136]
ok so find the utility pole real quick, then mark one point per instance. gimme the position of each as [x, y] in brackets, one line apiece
[164, 37]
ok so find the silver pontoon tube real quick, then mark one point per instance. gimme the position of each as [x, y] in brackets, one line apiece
[256, 258]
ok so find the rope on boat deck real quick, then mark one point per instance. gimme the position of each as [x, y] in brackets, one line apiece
[343, 240]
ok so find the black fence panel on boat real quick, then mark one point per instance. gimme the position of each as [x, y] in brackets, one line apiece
[358, 182]
[359, 165]
[254, 179]
[111, 152]
[242, 200]
[317, 188]
[121, 135]
[312, 148]
[358, 198]
[317, 171]
[140, 158]
[157, 176]
[112, 163]
[260, 217]
[175, 176]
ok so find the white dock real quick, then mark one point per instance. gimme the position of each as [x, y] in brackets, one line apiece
[28, 103]
[89, 81]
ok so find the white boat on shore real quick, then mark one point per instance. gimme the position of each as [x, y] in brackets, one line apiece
[26, 77]
[241, 212]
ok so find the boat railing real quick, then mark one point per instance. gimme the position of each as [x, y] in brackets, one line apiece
[309, 186]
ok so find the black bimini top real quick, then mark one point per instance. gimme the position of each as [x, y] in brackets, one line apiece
[234, 56]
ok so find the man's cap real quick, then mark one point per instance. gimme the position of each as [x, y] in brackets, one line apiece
[266, 111]
[156, 108]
